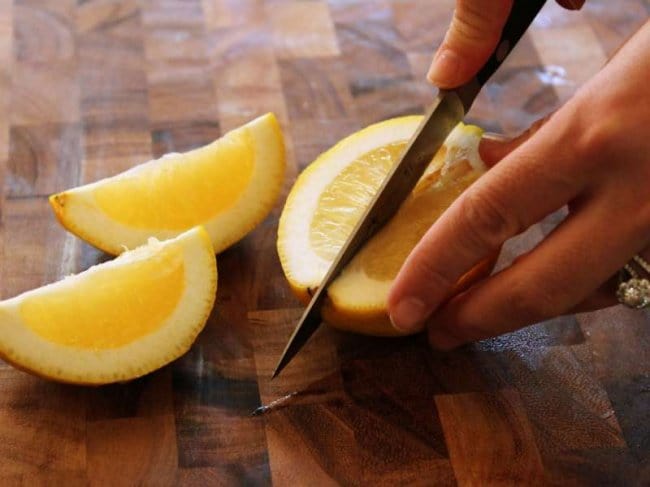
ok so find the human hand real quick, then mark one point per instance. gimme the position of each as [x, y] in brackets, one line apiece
[592, 154]
[472, 36]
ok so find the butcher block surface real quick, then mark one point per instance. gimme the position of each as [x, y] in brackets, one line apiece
[89, 88]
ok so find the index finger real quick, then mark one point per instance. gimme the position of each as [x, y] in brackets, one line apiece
[537, 178]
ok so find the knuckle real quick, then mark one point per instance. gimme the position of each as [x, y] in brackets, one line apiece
[484, 222]
[596, 139]
[445, 335]
[475, 21]
[432, 277]
[594, 142]
[530, 304]
[470, 29]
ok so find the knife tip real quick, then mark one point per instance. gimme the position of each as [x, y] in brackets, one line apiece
[278, 368]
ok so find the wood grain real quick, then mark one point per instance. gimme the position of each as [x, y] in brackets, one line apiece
[497, 430]
[90, 88]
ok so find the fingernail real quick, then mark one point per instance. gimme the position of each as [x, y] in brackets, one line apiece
[572, 4]
[494, 148]
[408, 314]
[445, 68]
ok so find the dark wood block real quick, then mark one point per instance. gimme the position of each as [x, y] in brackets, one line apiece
[182, 136]
[308, 147]
[28, 263]
[54, 22]
[491, 428]
[42, 427]
[629, 397]
[111, 148]
[33, 105]
[554, 386]
[598, 466]
[144, 449]
[44, 159]
[316, 89]
[421, 26]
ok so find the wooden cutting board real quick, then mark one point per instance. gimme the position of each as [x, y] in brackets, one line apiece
[89, 88]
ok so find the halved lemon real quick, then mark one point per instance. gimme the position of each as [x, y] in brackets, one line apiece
[328, 199]
[228, 186]
[117, 320]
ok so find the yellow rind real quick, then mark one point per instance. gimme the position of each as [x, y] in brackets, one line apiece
[198, 243]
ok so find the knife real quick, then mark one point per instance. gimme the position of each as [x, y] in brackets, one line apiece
[447, 110]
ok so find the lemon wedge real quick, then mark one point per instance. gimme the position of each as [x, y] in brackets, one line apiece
[330, 196]
[117, 320]
[228, 186]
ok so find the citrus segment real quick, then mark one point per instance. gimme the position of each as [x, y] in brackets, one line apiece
[330, 196]
[341, 204]
[124, 299]
[228, 187]
[181, 193]
[117, 320]
[384, 255]
[303, 265]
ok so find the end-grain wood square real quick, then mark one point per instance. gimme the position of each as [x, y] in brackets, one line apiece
[187, 95]
[577, 65]
[44, 159]
[303, 29]
[140, 451]
[169, 137]
[112, 148]
[55, 26]
[230, 13]
[173, 14]
[91, 16]
[243, 57]
[316, 89]
[239, 105]
[44, 93]
[32, 247]
[421, 25]
[52, 422]
[489, 438]
[6, 33]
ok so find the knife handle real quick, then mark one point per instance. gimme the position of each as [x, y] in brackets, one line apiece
[521, 16]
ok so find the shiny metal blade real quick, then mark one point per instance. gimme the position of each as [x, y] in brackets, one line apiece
[447, 110]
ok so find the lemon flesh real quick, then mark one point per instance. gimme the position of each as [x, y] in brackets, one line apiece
[384, 255]
[181, 193]
[228, 187]
[330, 196]
[118, 320]
[138, 312]
[341, 204]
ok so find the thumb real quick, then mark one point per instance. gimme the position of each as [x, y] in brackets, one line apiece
[472, 36]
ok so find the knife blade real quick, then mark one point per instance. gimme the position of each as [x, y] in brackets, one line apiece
[447, 110]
